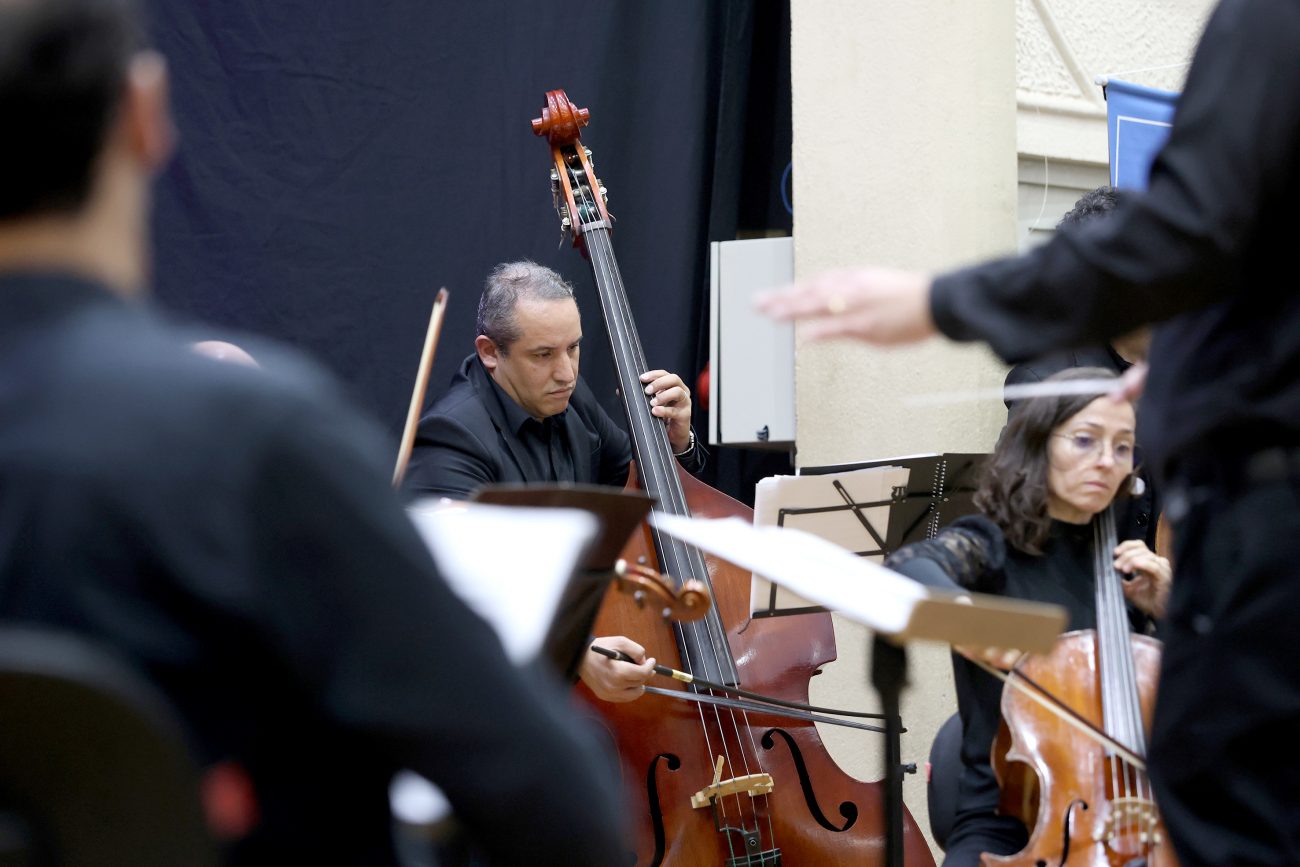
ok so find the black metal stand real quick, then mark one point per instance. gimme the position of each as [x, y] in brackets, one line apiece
[888, 676]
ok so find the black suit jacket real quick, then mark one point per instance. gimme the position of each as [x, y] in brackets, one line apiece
[466, 441]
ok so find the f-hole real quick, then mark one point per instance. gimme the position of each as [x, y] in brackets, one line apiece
[1068, 831]
[656, 814]
[848, 809]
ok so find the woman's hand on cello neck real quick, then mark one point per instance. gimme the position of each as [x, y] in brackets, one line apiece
[1147, 577]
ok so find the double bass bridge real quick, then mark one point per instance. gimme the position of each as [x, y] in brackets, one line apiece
[753, 785]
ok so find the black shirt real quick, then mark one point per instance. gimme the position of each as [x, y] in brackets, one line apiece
[545, 447]
[233, 533]
[1208, 251]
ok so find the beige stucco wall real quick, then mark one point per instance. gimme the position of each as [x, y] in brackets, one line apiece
[909, 121]
[904, 154]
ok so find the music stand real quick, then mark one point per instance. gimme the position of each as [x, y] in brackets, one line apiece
[939, 490]
[618, 513]
[897, 609]
[610, 515]
[853, 509]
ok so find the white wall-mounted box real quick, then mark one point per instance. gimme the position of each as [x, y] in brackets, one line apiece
[751, 358]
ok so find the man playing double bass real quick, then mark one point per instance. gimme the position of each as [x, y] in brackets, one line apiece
[518, 411]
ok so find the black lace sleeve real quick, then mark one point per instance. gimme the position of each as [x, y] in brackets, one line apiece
[966, 554]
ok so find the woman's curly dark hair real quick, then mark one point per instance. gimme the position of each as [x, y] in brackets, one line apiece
[1013, 489]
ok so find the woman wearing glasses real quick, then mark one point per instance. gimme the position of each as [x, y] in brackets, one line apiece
[1060, 462]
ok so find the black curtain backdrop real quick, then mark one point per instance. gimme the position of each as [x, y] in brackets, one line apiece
[339, 161]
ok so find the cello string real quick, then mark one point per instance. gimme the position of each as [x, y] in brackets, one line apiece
[1136, 783]
[714, 625]
[1141, 822]
[1140, 785]
[1115, 768]
[1107, 647]
[631, 361]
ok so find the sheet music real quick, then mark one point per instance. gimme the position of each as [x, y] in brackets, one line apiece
[509, 564]
[816, 570]
[816, 505]
[867, 592]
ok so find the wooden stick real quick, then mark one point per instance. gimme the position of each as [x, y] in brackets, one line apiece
[421, 386]
[1066, 715]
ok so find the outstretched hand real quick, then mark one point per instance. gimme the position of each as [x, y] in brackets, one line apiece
[876, 305]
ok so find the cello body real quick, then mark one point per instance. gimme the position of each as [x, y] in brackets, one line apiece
[1084, 802]
[817, 813]
[1059, 782]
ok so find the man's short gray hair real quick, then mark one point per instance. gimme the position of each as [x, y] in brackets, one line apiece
[507, 283]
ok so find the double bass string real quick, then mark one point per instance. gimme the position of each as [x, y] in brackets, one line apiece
[655, 466]
[624, 343]
[660, 476]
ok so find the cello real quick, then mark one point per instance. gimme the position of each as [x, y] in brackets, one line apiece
[1086, 801]
[709, 784]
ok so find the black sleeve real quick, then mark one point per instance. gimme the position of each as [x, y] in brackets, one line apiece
[447, 460]
[1230, 160]
[358, 612]
[694, 460]
[615, 445]
[966, 555]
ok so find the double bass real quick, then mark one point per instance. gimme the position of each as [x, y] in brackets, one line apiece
[709, 784]
[1086, 800]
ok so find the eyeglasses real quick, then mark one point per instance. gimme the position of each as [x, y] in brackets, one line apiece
[1084, 445]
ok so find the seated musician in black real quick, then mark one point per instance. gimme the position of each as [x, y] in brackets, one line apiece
[517, 411]
[1139, 514]
[1060, 462]
[231, 532]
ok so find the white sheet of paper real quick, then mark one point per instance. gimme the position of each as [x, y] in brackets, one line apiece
[887, 602]
[819, 571]
[842, 527]
[509, 564]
